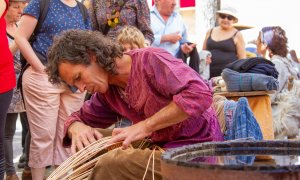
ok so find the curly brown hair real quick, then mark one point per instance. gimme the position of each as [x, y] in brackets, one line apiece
[278, 43]
[76, 46]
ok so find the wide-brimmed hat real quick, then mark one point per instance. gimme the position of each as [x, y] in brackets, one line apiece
[230, 11]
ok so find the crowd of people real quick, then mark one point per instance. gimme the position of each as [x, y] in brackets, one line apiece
[145, 77]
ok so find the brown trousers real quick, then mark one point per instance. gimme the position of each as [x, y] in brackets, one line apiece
[127, 164]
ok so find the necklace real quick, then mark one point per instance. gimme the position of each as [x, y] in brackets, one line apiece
[122, 94]
[113, 12]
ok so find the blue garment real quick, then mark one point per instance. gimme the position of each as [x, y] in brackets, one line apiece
[60, 17]
[160, 28]
[243, 125]
[236, 82]
[265, 69]
[229, 111]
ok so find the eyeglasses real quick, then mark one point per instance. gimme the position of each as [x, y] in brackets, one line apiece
[229, 17]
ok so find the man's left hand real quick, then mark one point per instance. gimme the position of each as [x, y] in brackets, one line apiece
[130, 134]
[186, 49]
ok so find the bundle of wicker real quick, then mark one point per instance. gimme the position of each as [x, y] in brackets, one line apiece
[80, 165]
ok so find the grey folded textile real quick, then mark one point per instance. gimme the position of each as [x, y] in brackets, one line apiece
[236, 82]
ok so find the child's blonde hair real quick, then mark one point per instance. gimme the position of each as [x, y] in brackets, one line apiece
[131, 35]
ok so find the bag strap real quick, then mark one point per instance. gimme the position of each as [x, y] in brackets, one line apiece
[83, 11]
[44, 6]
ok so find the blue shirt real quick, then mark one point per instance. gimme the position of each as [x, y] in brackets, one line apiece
[160, 28]
[60, 17]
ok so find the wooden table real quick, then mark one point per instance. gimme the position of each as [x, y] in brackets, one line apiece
[260, 104]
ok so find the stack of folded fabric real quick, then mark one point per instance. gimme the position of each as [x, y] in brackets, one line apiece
[253, 74]
[236, 82]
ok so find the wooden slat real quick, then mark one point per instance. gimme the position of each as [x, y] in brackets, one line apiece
[242, 94]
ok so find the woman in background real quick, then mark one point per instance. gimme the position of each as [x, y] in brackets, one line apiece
[47, 106]
[7, 79]
[109, 16]
[272, 42]
[12, 16]
[225, 42]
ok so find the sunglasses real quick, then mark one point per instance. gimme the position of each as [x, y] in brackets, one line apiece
[229, 17]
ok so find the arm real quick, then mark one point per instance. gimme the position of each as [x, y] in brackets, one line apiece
[172, 38]
[167, 116]
[26, 27]
[2, 7]
[143, 20]
[79, 127]
[205, 40]
[240, 46]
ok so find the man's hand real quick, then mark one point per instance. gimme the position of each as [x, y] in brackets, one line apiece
[82, 135]
[130, 134]
[208, 60]
[172, 38]
[186, 49]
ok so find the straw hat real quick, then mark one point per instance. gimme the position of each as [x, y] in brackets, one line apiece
[241, 27]
[230, 11]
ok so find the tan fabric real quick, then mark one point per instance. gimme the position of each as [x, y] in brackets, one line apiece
[218, 103]
[127, 164]
[47, 108]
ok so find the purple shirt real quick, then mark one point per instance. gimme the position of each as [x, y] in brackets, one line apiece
[156, 79]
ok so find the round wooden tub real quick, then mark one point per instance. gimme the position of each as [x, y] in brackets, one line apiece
[236, 160]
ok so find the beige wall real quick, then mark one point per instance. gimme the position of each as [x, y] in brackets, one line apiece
[188, 15]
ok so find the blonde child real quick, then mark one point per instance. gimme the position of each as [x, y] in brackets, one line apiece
[131, 38]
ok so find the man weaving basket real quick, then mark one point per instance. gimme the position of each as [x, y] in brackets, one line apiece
[164, 98]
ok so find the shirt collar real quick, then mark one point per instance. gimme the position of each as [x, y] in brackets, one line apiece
[155, 11]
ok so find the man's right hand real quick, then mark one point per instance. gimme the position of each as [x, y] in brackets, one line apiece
[172, 38]
[82, 135]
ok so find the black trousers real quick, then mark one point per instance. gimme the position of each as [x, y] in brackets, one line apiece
[5, 99]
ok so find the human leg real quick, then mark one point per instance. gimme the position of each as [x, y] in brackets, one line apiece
[24, 123]
[5, 99]
[42, 104]
[10, 128]
[25, 132]
[69, 103]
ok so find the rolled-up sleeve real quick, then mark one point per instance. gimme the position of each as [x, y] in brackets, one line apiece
[95, 113]
[33, 9]
[174, 79]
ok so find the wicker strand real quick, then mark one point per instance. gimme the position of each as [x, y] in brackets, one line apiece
[82, 161]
